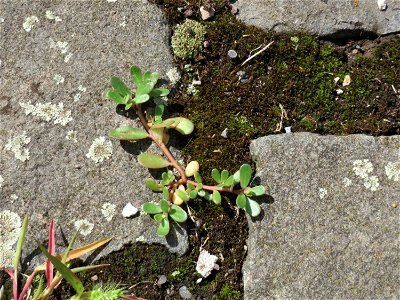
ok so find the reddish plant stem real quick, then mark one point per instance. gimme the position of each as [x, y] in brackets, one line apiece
[160, 144]
[217, 188]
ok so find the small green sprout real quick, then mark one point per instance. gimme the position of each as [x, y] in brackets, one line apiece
[186, 183]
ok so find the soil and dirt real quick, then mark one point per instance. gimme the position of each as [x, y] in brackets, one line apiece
[291, 84]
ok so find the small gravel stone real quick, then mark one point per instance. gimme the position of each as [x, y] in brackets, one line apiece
[161, 280]
[184, 293]
[232, 53]
[129, 210]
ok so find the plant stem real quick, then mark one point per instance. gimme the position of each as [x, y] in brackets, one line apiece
[217, 188]
[160, 144]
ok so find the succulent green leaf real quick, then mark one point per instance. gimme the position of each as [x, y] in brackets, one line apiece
[236, 177]
[144, 89]
[193, 194]
[208, 196]
[164, 206]
[165, 193]
[224, 175]
[153, 78]
[183, 125]
[115, 96]
[136, 74]
[178, 214]
[245, 175]
[152, 161]
[128, 133]
[66, 273]
[197, 177]
[141, 98]
[201, 193]
[163, 228]
[252, 208]
[216, 175]
[153, 185]
[128, 106]
[199, 186]
[229, 182]
[255, 191]
[241, 200]
[216, 197]
[158, 112]
[159, 217]
[120, 87]
[190, 186]
[183, 195]
[152, 208]
[159, 92]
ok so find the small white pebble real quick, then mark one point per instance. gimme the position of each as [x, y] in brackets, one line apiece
[339, 91]
[346, 80]
[382, 4]
[288, 129]
[129, 210]
[232, 53]
[224, 133]
[336, 79]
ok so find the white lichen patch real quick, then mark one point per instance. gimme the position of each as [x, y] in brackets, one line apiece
[108, 211]
[63, 47]
[206, 263]
[84, 226]
[1, 182]
[111, 1]
[51, 16]
[10, 225]
[100, 150]
[71, 136]
[322, 193]
[68, 57]
[371, 183]
[123, 23]
[6, 257]
[362, 167]
[30, 23]
[392, 170]
[81, 90]
[13, 197]
[347, 182]
[58, 78]
[16, 145]
[173, 75]
[48, 112]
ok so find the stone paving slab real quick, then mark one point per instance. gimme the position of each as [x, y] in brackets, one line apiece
[334, 18]
[331, 227]
[56, 59]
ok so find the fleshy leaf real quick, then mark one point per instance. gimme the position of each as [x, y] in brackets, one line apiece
[128, 133]
[190, 186]
[144, 89]
[184, 126]
[178, 214]
[159, 217]
[152, 161]
[153, 185]
[229, 182]
[113, 95]
[216, 175]
[120, 87]
[163, 229]
[136, 74]
[151, 208]
[183, 195]
[141, 98]
[216, 197]
[159, 92]
[224, 175]
[201, 193]
[199, 186]
[245, 175]
[163, 124]
[197, 177]
[158, 111]
[241, 200]
[164, 206]
[165, 193]
[236, 177]
[252, 208]
[255, 191]
[193, 194]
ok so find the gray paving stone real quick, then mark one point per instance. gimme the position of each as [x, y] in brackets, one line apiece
[67, 58]
[334, 18]
[330, 229]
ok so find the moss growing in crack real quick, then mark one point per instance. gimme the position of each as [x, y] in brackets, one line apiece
[188, 39]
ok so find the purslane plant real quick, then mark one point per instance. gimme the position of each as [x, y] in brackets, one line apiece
[175, 189]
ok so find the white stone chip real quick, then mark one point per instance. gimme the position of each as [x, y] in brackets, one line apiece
[346, 80]
[129, 210]
[288, 129]
[382, 4]
[224, 133]
[206, 263]
[1, 182]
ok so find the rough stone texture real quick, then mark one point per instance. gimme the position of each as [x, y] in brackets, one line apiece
[323, 233]
[59, 181]
[334, 18]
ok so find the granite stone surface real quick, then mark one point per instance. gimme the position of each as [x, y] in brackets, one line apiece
[330, 226]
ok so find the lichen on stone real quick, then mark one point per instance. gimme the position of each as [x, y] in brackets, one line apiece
[100, 150]
[58, 78]
[371, 183]
[108, 211]
[392, 170]
[173, 75]
[1, 182]
[48, 112]
[10, 225]
[322, 193]
[71, 136]
[84, 226]
[16, 145]
[188, 39]
[51, 16]
[362, 167]
[30, 23]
